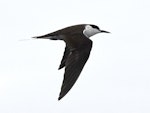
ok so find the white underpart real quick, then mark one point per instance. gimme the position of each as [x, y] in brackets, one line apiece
[90, 31]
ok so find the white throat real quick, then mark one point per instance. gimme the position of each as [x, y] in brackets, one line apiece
[90, 31]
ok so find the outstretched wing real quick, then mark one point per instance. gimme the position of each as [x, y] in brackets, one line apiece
[74, 65]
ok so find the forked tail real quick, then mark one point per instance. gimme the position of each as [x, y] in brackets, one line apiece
[48, 36]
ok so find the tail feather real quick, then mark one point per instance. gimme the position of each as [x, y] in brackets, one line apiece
[48, 36]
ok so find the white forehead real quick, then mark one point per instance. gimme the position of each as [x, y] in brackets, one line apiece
[90, 31]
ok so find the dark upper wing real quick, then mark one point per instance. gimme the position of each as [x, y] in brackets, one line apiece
[65, 56]
[74, 65]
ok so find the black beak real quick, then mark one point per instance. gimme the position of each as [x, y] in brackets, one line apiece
[102, 31]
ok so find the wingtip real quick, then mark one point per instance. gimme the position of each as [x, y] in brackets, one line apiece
[59, 98]
[60, 67]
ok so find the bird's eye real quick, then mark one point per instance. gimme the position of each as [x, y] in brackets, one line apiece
[94, 26]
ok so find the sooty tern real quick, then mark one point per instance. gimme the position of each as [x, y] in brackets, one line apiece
[77, 51]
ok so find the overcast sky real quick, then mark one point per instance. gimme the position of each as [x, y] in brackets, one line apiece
[116, 78]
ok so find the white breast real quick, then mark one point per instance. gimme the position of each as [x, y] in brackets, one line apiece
[90, 31]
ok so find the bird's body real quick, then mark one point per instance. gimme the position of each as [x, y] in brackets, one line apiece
[77, 51]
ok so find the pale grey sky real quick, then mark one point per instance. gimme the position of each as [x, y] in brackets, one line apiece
[116, 78]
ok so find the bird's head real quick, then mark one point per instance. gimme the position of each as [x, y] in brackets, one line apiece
[91, 30]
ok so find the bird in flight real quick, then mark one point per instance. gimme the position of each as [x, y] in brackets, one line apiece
[77, 51]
